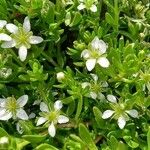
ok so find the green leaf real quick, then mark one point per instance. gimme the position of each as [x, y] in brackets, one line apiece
[85, 136]
[34, 138]
[3, 132]
[45, 147]
[109, 19]
[148, 139]
[130, 142]
[98, 118]
[77, 18]
[79, 107]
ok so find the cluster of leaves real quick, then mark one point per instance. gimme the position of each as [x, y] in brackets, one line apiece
[125, 26]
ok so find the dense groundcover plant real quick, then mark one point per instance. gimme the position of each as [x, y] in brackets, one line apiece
[74, 74]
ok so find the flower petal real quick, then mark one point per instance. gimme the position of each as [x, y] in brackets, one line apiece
[26, 24]
[22, 53]
[133, 113]
[22, 100]
[2, 23]
[85, 54]
[44, 107]
[63, 119]
[35, 39]
[111, 98]
[58, 105]
[81, 6]
[12, 28]
[5, 37]
[52, 130]
[8, 44]
[32, 115]
[85, 84]
[93, 8]
[22, 114]
[107, 114]
[102, 46]
[121, 122]
[40, 121]
[2, 111]
[6, 116]
[94, 76]
[93, 95]
[4, 140]
[2, 102]
[103, 61]
[90, 64]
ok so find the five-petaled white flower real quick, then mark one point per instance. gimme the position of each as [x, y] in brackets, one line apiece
[119, 112]
[12, 108]
[51, 118]
[96, 87]
[4, 36]
[22, 38]
[96, 54]
[88, 4]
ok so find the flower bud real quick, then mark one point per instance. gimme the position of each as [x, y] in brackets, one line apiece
[60, 76]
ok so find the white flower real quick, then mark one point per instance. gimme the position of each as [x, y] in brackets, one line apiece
[12, 108]
[51, 117]
[88, 4]
[119, 112]
[96, 54]
[4, 140]
[95, 87]
[22, 38]
[60, 76]
[3, 36]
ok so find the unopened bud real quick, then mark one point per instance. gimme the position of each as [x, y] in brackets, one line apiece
[60, 76]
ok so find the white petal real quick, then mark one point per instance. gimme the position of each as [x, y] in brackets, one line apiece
[107, 114]
[12, 28]
[8, 44]
[5, 37]
[37, 102]
[93, 95]
[58, 105]
[93, 8]
[133, 113]
[22, 100]
[62, 119]
[32, 115]
[35, 39]
[44, 107]
[85, 84]
[102, 46]
[103, 61]
[6, 116]
[2, 111]
[2, 23]
[22, 53]
[2, 102]
[52, 130]
[121, 122]
[95, 43]
[26, 24]
[111, 98]
[41, 120]
[85, 54]
[90, 64]
[81, 6]
[94, 76]
[22, 114]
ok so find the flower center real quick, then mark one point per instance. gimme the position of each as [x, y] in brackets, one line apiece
[53, 116]
[22, 38]
[11, 104]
